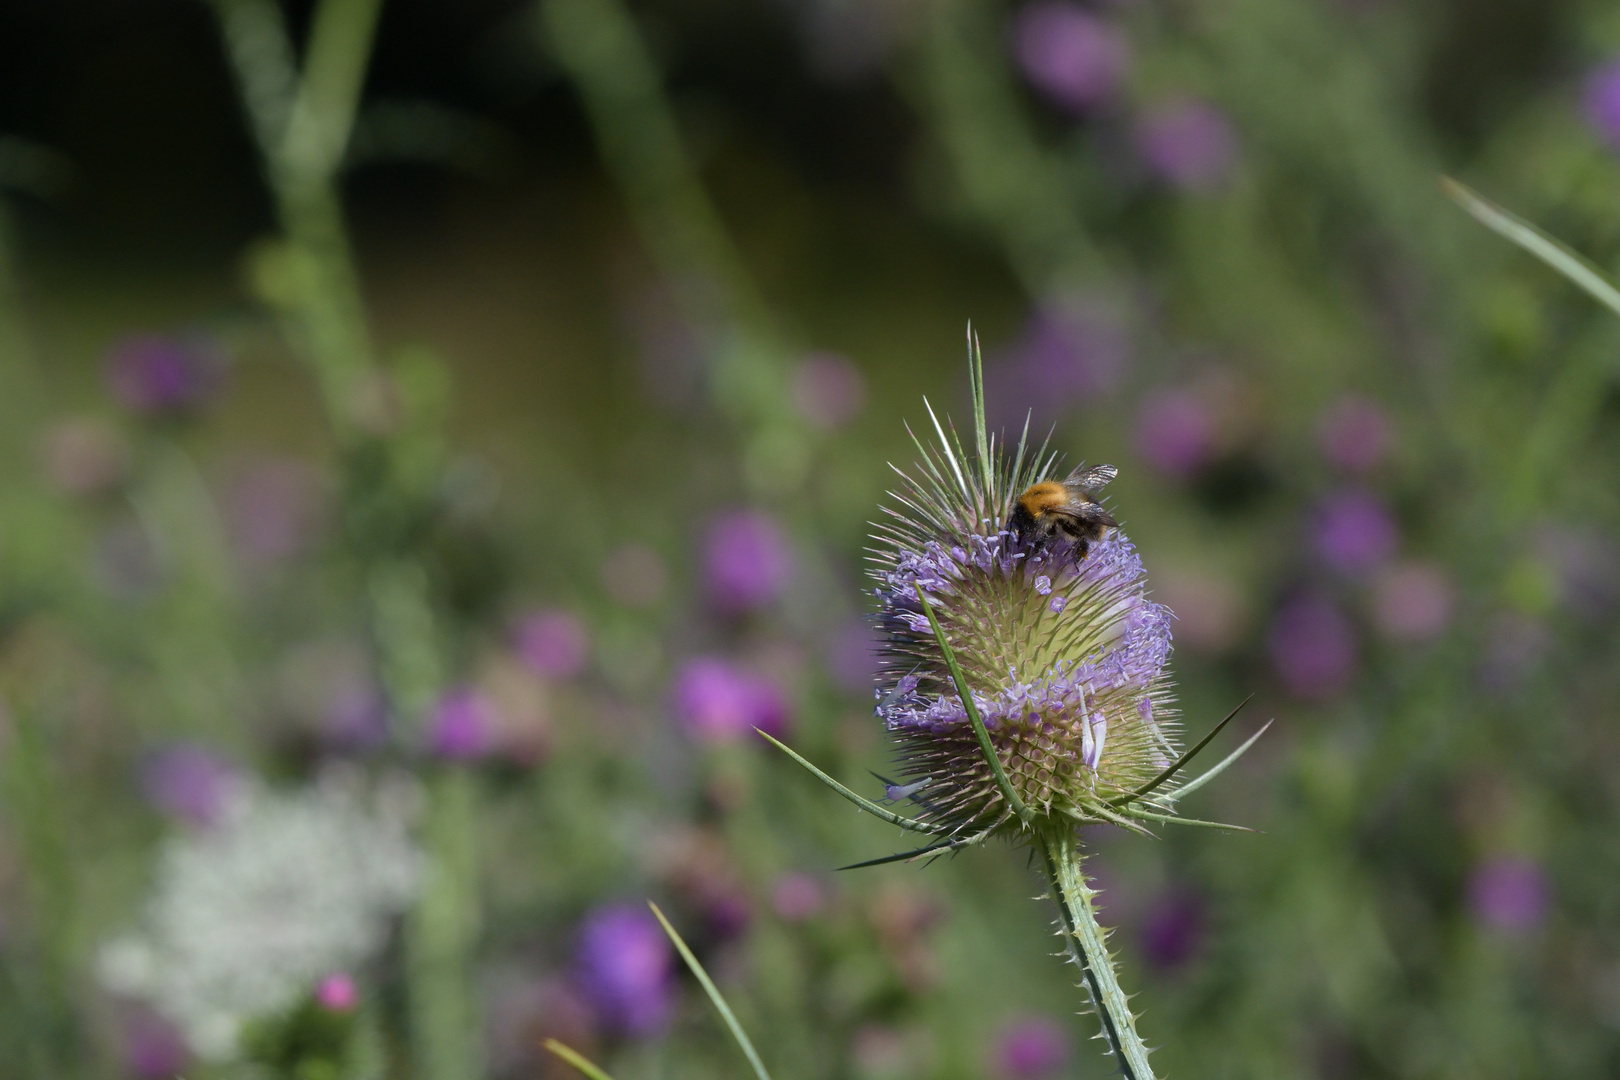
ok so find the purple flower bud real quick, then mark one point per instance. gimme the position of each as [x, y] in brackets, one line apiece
[1069, 351]
[1073, 57]
[1172, 930]
[1313, 647]
[190, 783]
[1187, 143]
[1412, 601]
[719, 703]
[1031, 1048]
[623, 960]
[272, 511]
[157, 375]
[1175, 432]
[1355, 434]
[1354, 532]
[1508, 893]
[152, 1047]
[464, 725]
[553, 644]
[797, 897]
[1601, 102]
[746, 561]
[828, 390]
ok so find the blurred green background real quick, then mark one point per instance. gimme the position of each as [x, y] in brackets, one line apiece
[415, 485]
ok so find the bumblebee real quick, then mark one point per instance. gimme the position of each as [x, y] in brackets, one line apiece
[1066, 507]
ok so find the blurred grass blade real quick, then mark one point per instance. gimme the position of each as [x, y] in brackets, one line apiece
[576, 1059]
[1560, 258]
[868, 805]
[1193, 785]
[714, 995]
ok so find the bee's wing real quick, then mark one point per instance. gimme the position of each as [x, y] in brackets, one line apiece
[1088, 513]
[1091, 480]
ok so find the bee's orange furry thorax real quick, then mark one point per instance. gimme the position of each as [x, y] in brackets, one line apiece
[1039, 498]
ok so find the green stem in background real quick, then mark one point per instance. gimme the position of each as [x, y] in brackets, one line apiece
[715, 996]
[576, 1059]
[1085, 941]
[599, 45]
[441, 933]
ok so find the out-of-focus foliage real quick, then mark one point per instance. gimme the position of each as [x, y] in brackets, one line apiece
[484, 470]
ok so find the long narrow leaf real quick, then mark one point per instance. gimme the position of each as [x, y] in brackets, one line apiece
[576, 1059]
[1504, 222]
[942, 846]
[1183, 759]
[1193, 785]
[714, 995]
[910, 824]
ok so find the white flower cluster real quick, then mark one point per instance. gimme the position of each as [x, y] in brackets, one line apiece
[250, 914]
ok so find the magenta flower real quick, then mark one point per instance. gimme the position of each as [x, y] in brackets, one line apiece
[1172, 930]
[1601, 102]
[337, 992]
[1355, 434]
[623, 963]
[719, 703]
[191, 783]
[1509, 893]
[1313, 647]
[272, 510]
[159, 375]
[1068, 352]
[1175, 432]
[1412, 601]
[1073, 57]
[464, 725]
[1355, 532]
[553, 644]
[1031, 1048]
[828, 390]
[1188, 143]
[152, 1048]
[746, 561]
[797, 897]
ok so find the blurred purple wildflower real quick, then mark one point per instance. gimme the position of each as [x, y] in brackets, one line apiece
[1601, 102]
[1585, 565]
[828, 390]
[1075, 58]
[337, 992]
[151, 1047]
[155, 375]
[1412, 601]
[1313, 647]
[1031, 1048]
[1175, 432]
[852, 657]
[464, 725]
[1188, 143]
[797, 897]
[272, 509]
[1355, 434]
[746, 561]
[553, 644]
[1354, 531]
[623, 961]
[1068, 351]
[1172, 929]
[719, 703]
[1509, 893]
[190, 783]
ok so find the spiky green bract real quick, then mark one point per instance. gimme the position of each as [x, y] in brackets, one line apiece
[1062, 649]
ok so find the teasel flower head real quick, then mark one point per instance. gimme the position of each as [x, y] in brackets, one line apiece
[1056, 638]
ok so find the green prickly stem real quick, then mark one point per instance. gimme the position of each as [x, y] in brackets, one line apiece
[1083, 940]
